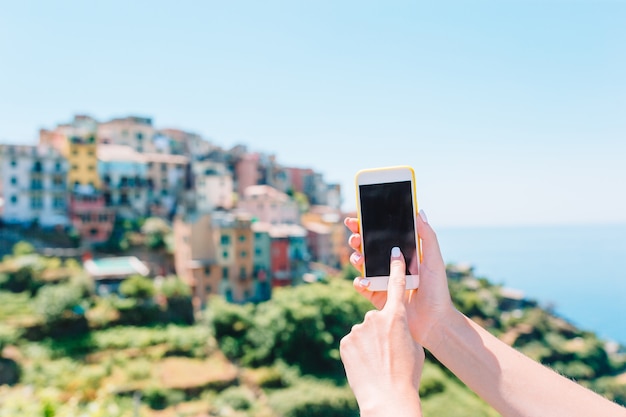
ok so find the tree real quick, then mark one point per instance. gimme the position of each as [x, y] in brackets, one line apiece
[53, 302]
[156, 230]
[23, 248]
[138, 286]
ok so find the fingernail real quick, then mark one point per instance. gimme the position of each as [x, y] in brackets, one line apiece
[423, 216]
[356, 257]
[396, 253]
[364, 283]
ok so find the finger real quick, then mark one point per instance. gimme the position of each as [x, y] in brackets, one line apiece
[430, 245]
[355, 241]
[352, 223]
[356, 259]
[377, 298]
[397, 279]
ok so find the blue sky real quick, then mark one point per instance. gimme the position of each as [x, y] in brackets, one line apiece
[511, 112]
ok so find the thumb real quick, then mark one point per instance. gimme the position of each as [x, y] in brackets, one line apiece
[397, 279]
[430, 245]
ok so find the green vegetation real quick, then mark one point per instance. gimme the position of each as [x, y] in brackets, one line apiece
[142, 352]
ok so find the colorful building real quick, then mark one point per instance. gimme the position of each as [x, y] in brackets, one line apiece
[214, 255]
[90, 216]
[212, 186]
[134, 131]
[82, 158]
[262, 260]
[123, 173]
[235, 255]
[33, 185]
[327, 235]
[167, 181]
[289, 254]
[195, 256]
[269, 205]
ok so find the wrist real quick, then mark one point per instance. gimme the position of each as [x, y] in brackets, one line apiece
[384, 407]
[433, 338]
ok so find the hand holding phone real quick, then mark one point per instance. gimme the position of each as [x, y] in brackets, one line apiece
[387, 209]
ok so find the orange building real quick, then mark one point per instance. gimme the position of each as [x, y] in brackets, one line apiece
[214, 255]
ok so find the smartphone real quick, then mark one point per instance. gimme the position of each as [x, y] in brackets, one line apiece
[387, 210]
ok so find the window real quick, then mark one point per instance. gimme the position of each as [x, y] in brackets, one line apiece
[90, 168]
[225, 272]
[13, 180]
[93, 231]
[139, 136]
[58, 202]
[57, 167]
[225, 254]
[244, 253]
[13, 199]
[36, 202]
[243, 274]
[13, 162]
[225, 240]
[208, 289]
[242, 238]
[257, 251]
[207, 271]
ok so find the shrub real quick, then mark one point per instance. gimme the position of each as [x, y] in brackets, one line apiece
[314, 398]
[159, 398]
[138, 286]
[23, 248]
[55, 301]
[237, 398]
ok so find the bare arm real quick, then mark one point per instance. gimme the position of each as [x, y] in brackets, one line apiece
[515, 385]
[512, 383]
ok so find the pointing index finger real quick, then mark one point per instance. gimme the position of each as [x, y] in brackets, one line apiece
[396, 287]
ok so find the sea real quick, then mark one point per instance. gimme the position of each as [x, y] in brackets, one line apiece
[578, 271]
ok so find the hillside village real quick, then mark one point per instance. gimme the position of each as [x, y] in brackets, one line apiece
[241, 223]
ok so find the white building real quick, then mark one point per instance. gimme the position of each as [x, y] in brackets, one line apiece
[167, 177]
[34, 185]
[213, 186]
[133, 131]
[123, 175]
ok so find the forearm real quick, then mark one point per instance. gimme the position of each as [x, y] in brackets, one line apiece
[512, 383]
[409, 407]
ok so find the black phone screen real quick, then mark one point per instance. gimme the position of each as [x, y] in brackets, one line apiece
[387, 220]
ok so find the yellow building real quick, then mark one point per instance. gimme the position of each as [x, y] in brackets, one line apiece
[82, 159]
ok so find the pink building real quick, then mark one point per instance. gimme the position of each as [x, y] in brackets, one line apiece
[319, 238]
[298, 177]
[90, 216]
[267, 204]
[247, 172]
